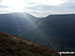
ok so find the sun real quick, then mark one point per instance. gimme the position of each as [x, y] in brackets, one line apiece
[16, 5]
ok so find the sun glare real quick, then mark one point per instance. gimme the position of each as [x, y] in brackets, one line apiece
[20, 5]
[16, 5]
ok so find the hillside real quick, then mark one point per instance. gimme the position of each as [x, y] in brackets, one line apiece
[15, 46]
[17, 23]
[55, 31]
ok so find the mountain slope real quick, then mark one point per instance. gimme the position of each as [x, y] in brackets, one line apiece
[15, 46]
[55, 31]
[16, 23]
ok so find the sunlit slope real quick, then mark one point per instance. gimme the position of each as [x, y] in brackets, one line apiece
[15, 46]
[16, 23]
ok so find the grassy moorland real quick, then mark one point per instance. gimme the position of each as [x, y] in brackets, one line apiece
[15, 46]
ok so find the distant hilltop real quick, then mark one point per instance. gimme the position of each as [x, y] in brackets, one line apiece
[61, 15]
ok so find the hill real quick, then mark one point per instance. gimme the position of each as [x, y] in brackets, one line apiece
[17, 23]
[55, 31]
[15, 46]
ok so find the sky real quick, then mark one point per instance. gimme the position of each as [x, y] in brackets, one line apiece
[38, 8]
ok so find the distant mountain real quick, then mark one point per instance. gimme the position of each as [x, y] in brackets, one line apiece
[16, 23]
[15, 46]
[55, 31]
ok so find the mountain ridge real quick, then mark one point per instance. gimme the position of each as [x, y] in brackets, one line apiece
[52, 31]
[59, 28]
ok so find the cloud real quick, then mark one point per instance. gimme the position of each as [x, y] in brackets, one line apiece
[43, 9]
[3, 6]
[4, 9]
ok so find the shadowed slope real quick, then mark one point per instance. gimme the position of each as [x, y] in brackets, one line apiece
[55, 31]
